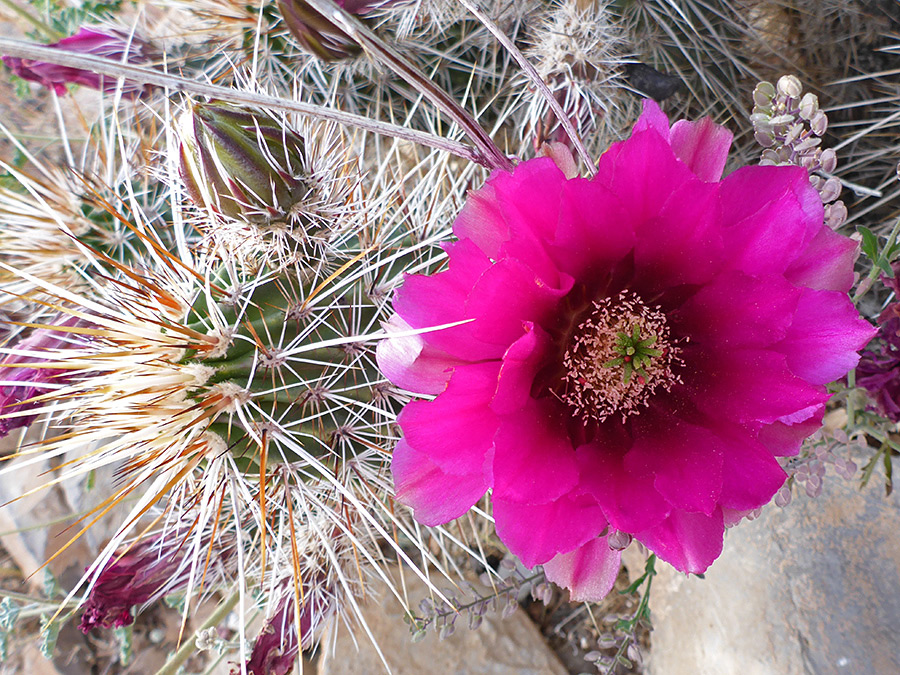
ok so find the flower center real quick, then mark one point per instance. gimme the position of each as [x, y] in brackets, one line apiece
[618, 358]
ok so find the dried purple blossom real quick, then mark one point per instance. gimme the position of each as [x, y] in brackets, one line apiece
[150, 569]
[878, 371]
[278, 643]
[98, 41]
[25, 377]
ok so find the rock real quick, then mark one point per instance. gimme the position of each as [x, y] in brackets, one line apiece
[511, 646]
[808, 590]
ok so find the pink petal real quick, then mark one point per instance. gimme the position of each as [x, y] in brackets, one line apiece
[536, 533]
[652, 117]
[747, 385]
[784, 439]
[588, 572]
[685, 459]
[456, 430]
[527, 203]
[521, 363]
[506, 296]
[410, 362]
[770, 215]
[690, 542]
[534, 461]
[482, 222]
[425, 302]
[629, 499]
[595, 231]
[825, 264]
[435, 496]
[823, 351]
[702, 145]
[736, 310]
[673, 214]
[750, 474]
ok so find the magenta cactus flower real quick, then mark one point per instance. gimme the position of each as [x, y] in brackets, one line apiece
[99, 41]
[633, 353]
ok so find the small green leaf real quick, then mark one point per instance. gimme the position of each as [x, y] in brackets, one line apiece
[49, 635]
[124, 635]
[9, 612]
[869, 243]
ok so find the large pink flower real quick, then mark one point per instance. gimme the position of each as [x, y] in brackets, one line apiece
[639, 348]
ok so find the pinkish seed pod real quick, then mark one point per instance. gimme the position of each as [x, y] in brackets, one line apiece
[835, 214]
[789, 85]
[764, 94]
[819, 123]
[809, 106]
[831, 190]
[828, 160]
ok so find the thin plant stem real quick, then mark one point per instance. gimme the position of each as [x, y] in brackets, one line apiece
[189, 648]
[373, 45]
[144, 75]
[34, 21]
[538, 82]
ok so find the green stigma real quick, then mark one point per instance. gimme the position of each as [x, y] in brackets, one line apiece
[634, 354]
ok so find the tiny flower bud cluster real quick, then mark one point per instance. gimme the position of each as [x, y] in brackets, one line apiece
[808, 469]
[790, 126]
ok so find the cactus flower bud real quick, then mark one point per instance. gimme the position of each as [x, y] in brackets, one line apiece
[319, 35]
[244, 165]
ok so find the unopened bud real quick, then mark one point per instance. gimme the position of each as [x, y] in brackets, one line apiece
[320, 35]
[244, 165]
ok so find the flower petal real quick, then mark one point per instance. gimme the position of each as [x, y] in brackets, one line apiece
[826, 264]
[595, 230]
[506, 296]
[410, 362]
[520, 364]
[783, 439]
[537, 533]
[750, 474]
[736, 310]
[685, 460]
[689, 542]
[770, 214]
[456, 430]
[746, 385]
[589, 572]
[534, 461]
[629, 499]
[426, 302]
[435, 496]
[822, 351]
[702, 145]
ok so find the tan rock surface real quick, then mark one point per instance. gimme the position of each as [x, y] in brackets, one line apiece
[511, 646]
[808, 590]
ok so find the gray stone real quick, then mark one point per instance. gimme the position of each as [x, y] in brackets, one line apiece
[808, 590]
[511, 646]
